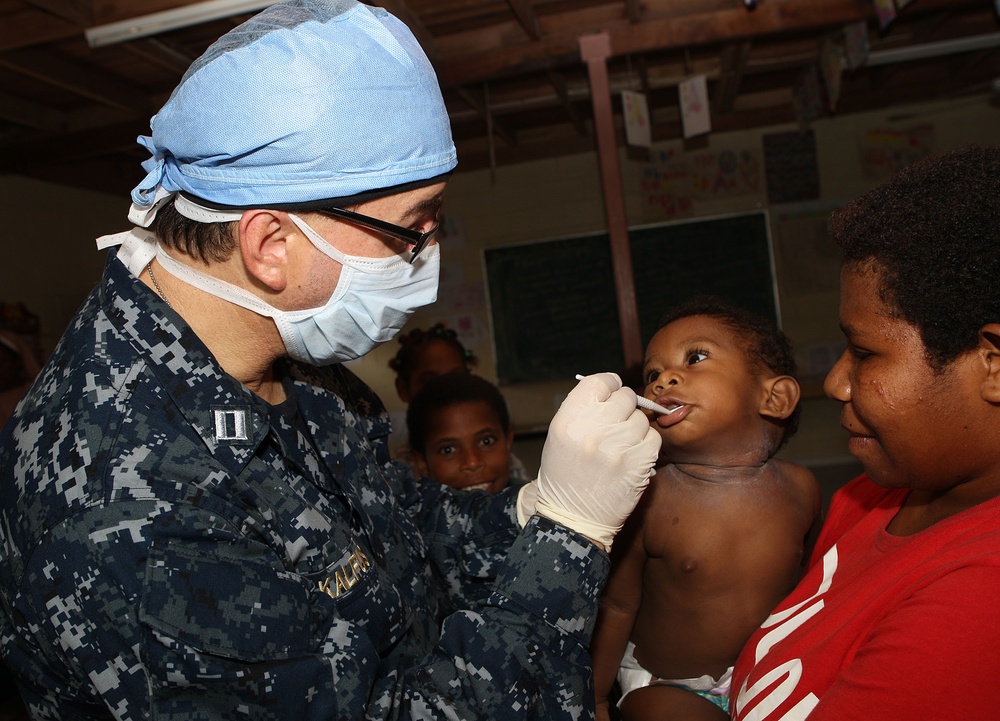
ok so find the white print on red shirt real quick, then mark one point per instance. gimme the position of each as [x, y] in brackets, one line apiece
[782, 623]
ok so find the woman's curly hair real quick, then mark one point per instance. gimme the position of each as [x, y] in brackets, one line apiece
[932, 233]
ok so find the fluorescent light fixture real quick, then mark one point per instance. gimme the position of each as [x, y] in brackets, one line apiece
[161, 22]
[934, 50]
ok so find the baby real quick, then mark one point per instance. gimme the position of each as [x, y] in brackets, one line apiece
[719, 537]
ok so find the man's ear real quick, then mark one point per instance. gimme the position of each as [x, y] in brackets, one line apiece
[989, 350]
[263, 238]
[782, 395]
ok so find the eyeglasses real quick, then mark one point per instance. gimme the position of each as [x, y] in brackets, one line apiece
[415, 238]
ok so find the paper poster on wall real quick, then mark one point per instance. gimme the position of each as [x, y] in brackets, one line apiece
[727, 173]
[856, 46]
[790, 166]
[832, 62]
[695, 116]
[665, 183]
[671, 181]
[886, 150]
[886, 11]
[636, 113]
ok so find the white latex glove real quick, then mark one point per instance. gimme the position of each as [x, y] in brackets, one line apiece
[527, 497]
[597, 459]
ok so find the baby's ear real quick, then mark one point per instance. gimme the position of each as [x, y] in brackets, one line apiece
[782, 395]
[989, 348]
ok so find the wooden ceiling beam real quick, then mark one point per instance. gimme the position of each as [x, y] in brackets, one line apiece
[562, 92]
[401, 10]
[477, 100]
[633, 9]
[88, 82]
[734, 62]
[160, 53]
[31, 115]
[661, 33]
[78, 12]
[34, 27]
[526, 16]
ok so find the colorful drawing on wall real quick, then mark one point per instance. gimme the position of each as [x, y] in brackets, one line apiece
[790, 166]
[665, 183]
[886, 150]
[636, 113]
[832, 63]
[695, 116]
[671, 181]
[724, 174]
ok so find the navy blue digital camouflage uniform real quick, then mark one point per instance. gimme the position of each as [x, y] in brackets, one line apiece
[174, 549]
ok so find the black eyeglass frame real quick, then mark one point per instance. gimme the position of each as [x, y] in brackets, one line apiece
[412, 237]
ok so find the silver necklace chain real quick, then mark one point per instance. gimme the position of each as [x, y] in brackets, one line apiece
[149, 269]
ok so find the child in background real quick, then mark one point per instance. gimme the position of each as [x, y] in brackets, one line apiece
[424, 355]
[460, 432]
[720, 536]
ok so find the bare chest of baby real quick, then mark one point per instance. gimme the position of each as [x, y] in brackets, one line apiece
[720, 556]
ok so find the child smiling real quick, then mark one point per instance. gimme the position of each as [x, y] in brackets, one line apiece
[460, 432]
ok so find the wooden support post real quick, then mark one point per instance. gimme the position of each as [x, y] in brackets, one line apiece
[595, 50]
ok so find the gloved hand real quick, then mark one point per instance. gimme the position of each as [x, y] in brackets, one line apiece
[597, 459]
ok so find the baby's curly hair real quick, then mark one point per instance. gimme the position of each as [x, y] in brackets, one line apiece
[932, 232]
[412, 342]
[768, 349]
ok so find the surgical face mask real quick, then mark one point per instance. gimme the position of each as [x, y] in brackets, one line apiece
[372, 301]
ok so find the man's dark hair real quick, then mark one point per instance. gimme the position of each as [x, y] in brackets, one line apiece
[767, 348]
[448, 390]
[208, 242]
[932, 233]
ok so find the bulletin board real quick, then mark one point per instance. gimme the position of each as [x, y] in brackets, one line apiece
[553, 307]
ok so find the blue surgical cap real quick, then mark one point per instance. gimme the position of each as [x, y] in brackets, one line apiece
[307, 101]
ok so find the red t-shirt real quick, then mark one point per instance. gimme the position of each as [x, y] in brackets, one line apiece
[883, 627]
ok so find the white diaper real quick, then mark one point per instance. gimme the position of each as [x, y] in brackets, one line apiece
[632, 676]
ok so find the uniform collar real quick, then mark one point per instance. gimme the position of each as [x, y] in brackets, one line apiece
[228, 417]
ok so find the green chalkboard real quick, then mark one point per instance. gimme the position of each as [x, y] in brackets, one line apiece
[553, 302]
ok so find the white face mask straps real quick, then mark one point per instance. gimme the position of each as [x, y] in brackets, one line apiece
[372, 301]
[358, 262]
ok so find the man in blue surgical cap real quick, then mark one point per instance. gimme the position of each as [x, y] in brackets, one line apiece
[199, 516]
